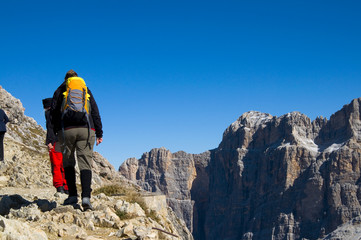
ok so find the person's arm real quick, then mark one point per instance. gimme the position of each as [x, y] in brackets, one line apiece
[6, 119]
[50, 135]
[99, 140]
[55, 115]
[96, 118]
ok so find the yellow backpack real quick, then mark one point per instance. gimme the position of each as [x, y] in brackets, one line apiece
[76, 106]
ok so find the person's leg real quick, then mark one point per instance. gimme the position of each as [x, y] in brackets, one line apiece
[58, 172]
[65, 185]
[71, 180]
[68, 148]
[2, 134]
[84, 151]
[56, 159]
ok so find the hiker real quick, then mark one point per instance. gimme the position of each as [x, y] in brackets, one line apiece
[77, 127]
[56, 157]
[3, 121]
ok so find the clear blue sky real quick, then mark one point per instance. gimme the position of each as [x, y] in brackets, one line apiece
[178, 73]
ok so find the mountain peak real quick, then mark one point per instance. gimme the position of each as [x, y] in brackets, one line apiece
[251, 119]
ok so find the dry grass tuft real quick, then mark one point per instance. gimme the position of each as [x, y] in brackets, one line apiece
[111, 190]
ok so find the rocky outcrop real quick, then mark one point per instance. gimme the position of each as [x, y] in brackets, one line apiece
[348, 230]
[30, 208]
[26, 157]
[39, 214]
[270, 178]
[161, 171]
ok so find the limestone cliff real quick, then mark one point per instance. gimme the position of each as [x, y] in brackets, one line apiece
[30, 208]
[270, 178]
[171, 174]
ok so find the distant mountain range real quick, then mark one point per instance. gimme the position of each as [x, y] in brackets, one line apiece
[270, 178]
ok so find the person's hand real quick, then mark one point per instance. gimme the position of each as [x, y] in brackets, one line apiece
[50, 146]
[99, 141]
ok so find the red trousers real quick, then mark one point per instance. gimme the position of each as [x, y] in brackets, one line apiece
[57, 168]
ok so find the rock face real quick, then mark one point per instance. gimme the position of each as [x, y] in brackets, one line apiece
[270, 178]
[161, 171]
[30, 208]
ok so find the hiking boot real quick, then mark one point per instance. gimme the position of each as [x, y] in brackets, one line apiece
[71, 200]
[85, 203]
[60, 189]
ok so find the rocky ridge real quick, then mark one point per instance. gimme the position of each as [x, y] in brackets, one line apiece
[30, 208]
[270, 178]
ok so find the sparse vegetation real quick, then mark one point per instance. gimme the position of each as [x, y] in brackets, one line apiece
[111, 190]
[123, 215]
[136, 198]
[130, 195]
[37, 131]
[153, 215]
